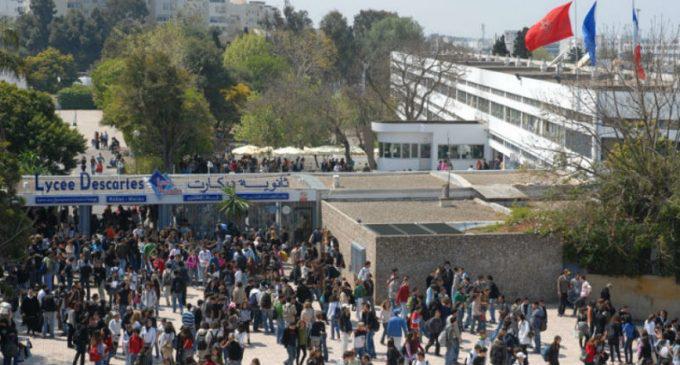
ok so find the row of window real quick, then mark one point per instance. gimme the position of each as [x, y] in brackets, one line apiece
[460, 151]
[574, 140]
[404, 150]
[415, 150]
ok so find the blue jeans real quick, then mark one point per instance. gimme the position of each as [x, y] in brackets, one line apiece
[335, 328]
[537, 340]
[49, 321]
[267, 320]
[48, 280]
[451, 356]
[370, 345]
[257, 319]
[292, 352]
[280, 327]
[324, 347]
[492, 310]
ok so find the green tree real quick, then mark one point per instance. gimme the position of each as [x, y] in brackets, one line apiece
[233, 206]
[9, 48]
[15, 226]
[117, 11]
[29, 124]
[251, 58]
[364, 21]
[334, 26]
[296, 21]
[105, 75]
[158, 109]
[34, 26]
[520, 49]
[81, 36]
[542, 54]
[499, 47]
[50, 70]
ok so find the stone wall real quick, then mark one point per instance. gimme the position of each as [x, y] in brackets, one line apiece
[521, 264]
[642, 294]
[347, 230]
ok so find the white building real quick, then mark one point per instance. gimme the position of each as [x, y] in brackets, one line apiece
[13, 8]
[422, 145]
[532, 114]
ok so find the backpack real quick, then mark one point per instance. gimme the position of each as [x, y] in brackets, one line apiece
[337, 312]
[266, 301]
[201, 343]
[545, 353]
[373, 323]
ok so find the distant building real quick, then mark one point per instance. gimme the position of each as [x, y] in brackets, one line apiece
[510, 36]
[13, 8]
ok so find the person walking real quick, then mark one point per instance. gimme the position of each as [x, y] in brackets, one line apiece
[551, 354]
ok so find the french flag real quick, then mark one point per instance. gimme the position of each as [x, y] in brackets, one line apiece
[637, 49]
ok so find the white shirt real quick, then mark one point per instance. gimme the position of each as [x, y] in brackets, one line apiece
[204, 257]
[114, 327]
[363, 273]
[585, 289]
[149, 335]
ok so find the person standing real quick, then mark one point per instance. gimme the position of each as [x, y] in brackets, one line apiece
[563, 291]
[289, 340]
[396, 328]
[537, 322]
[452, 339]
[49, 313]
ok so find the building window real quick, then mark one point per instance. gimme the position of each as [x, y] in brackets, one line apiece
[387, 152]
[395, 150]
[405, 150]
[578, 142]
[514, 116]
[425, 150]
[497, 110]
[357, 257]
[414, 150]
[381, 149]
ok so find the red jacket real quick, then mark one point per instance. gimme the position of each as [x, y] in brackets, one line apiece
[402, 294]
[136, 344]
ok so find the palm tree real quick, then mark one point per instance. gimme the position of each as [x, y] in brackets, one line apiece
[233, 206]
[9, 49]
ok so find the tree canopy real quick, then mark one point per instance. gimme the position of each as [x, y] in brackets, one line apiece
[30, 125]
[499, 47]
[50, 70]
[251, 57]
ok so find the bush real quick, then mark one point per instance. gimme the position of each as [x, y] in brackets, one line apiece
[76, 97]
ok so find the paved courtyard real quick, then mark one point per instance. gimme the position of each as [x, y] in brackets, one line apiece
[264, 347]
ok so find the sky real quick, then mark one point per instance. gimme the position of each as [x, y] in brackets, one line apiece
[464, 18]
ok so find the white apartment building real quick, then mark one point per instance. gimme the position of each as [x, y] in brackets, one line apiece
[232, 16]
[532, 114]
[13, 8]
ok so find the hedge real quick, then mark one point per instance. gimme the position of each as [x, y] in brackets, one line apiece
[76, 97]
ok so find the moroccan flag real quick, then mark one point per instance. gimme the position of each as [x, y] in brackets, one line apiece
[637, 48]
[553, 27]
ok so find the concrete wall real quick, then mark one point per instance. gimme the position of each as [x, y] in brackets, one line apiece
[643, 294]
[521, 264]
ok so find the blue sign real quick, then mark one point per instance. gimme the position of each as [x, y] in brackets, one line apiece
[126, 199]
[78, 199]
[264, 196]
[202, 198]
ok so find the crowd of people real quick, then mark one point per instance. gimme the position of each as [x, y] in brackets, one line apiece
[105, 294]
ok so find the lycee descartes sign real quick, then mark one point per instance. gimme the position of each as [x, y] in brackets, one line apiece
[85, 183]
[158, 188]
